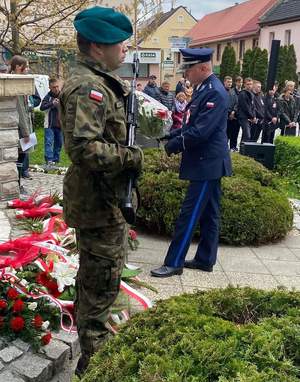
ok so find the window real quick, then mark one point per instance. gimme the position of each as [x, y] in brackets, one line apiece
[180, 19]
[126, 70]
[178, 58]
[241, 49]
[218, 52]
[287, 37]
[254, 43]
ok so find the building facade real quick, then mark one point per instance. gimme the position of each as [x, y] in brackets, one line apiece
[282, 23]
[236, 26]
[170, 26]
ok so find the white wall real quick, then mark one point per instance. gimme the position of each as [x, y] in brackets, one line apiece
[279, 34]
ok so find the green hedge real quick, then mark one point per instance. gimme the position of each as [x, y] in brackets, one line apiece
[228, 335]
[253, 209]
[287, 157]
[38, 120]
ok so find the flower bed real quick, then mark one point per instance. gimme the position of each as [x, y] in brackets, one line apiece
[231, 335]
[38, 271]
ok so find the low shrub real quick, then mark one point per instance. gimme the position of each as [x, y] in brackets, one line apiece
[252, 214]
[287, 157]
[38, 119]
[241, 335]
[253, 210]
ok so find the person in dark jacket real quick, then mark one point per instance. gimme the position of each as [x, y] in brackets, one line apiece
[231, 121]
[180, 86]
[53, 135]
[246, 110]
[151, 88]
[166, 97]
[288, 110]
[271, 117]
[205, 160]
[259, 106]
[235, 125]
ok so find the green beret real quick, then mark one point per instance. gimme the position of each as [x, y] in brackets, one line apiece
[103, 25]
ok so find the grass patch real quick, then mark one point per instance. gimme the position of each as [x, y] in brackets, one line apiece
[37, 156]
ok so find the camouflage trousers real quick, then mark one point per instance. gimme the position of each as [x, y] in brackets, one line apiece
[102, 254]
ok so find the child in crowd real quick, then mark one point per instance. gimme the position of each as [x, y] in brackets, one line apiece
[179, 109]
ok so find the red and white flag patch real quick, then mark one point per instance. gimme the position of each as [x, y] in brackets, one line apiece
[95, 95]
[210, 105]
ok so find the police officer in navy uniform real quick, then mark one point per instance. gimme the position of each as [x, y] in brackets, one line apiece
[205, 160]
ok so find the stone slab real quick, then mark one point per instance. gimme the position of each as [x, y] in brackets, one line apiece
[243, 264]
[24, 346]
[16, 84]
[10, 154]
[71, 339]
[259, 281]
[8, 376]
[268, 252]
[33, 368]
[10, 189]
[56, 351]
[200, 279]
[290, 282]
[10, 353]
[8, 171]
[292, 241]
[283, 268]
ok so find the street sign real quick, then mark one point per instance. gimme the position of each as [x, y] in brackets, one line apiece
[179, 43]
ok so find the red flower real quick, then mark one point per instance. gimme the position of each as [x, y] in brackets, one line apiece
[3, 304]
[44, 279]
[18, 306]
[53, 288]
[37, 321]
[12, 294]
[46, 338]
[17, 324]
[132, 234]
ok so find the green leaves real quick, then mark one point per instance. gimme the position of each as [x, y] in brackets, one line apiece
[233, 334]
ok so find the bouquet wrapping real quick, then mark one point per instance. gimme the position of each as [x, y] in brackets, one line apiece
[155, 119]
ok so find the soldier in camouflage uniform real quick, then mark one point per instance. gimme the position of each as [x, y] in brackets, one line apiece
[94, 127]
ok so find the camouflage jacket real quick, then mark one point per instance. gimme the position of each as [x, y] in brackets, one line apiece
[93, 121]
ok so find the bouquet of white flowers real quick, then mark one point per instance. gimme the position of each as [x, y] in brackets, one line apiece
[155, 120]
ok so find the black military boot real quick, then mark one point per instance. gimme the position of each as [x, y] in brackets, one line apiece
[81, 367]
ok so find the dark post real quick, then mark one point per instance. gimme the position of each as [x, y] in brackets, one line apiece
[272, 70]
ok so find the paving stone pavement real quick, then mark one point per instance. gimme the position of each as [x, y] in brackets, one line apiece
[264, 267]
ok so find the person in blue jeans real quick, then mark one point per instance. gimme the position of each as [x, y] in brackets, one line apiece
[53, 136]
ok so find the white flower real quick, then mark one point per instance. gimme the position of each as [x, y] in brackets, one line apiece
[45, 325]
[24, 282]
[32, 306]
[64, 273]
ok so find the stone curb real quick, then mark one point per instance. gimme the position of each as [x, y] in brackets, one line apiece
[19, 364]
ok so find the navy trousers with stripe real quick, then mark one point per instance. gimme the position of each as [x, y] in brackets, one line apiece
[201, 205]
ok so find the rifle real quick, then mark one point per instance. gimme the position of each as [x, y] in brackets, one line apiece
[131, 124]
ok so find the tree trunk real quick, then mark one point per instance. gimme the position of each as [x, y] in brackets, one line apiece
[14, 27]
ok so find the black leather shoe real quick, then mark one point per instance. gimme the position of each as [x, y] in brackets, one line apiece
[193, 264]
[165, 271]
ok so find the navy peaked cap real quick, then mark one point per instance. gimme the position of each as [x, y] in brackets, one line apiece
[192, 56]
[103, 25]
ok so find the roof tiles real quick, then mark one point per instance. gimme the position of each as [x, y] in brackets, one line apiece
[236, 21]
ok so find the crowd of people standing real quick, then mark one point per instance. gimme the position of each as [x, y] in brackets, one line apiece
[255, 114]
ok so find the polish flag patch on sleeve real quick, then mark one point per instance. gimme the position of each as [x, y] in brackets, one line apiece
[210, 105]
[96, 96]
